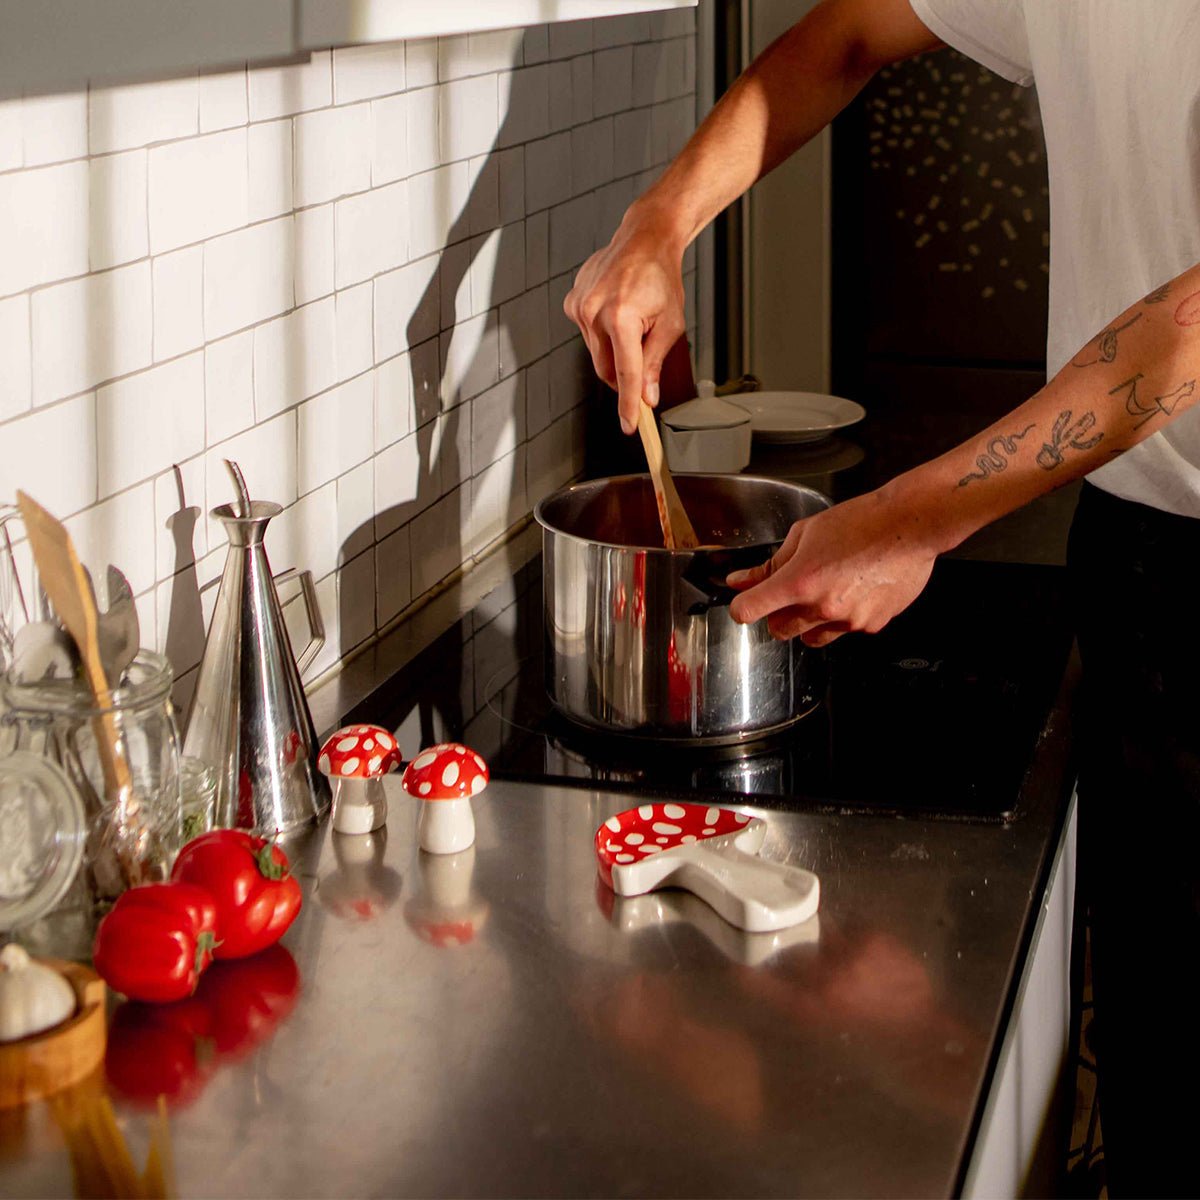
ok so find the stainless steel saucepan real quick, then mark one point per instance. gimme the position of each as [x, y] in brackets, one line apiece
[640, 640]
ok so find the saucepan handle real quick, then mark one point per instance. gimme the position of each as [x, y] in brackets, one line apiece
[316, 626]
[708, 570]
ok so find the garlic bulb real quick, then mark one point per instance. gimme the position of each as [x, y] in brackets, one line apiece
[33, 997]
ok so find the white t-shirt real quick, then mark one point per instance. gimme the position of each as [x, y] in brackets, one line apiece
[1119, 88]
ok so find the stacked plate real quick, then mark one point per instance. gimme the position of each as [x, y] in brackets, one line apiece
[713, 434]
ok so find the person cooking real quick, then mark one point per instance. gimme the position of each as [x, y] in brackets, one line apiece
[1119, 90]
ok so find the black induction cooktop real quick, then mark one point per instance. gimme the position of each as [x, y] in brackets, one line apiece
[938, 715]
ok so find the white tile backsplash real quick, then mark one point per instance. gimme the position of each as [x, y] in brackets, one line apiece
[248, 276]
[297, 87]
[314, 253]
[179, 507]
[54, 128]
[14, 362]
[371, 233]
[122, 118]
[613, 81]
[524, 101]
[407, 306]
[149, 421]
[336, 432]
[421, 62]
[389, 139]
[333, 153]
[344, 272]
[363, 72]
[228, 386]
[12, 152]
[197, 189]
[355, 334]
[269, 167]
[393, 563]
[178, 285]
[52, 455]
[44, 226]
[295, 357]
[223, 101]
[91, 329]
[119, 530]
[117, 209]
[582, 76]
[436, 203]
[469, 117]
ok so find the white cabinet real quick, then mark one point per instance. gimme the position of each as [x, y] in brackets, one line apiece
[335, 22]
[53, 45]
[56, 45]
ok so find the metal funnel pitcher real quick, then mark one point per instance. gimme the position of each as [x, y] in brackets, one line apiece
[250, 720]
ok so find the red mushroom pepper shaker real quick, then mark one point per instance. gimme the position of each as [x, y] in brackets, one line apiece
[356, 759]
[445, 777]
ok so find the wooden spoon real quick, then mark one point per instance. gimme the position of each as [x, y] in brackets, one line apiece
[66, 585]
[678, 533]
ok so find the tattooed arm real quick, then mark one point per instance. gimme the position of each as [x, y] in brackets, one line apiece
[857, 565]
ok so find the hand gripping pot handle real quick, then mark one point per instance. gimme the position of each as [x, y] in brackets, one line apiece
[312, 608]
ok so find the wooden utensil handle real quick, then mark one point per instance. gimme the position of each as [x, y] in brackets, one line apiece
[118, 783]
[677, 529]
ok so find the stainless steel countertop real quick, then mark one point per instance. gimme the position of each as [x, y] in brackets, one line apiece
[578, 1044]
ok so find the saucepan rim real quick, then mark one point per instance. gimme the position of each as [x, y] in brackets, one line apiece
[824, 502]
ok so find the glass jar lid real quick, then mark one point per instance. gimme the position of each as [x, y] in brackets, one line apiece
[42, 835]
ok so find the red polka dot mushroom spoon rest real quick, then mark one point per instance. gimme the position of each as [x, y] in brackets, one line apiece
[710, 851]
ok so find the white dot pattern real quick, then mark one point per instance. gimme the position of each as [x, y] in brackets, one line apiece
[359, 751]
[660, 828]
[451, 770]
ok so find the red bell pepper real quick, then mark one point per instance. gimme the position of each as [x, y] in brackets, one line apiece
[256, 895]
[156, 941]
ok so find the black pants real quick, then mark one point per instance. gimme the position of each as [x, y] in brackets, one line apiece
[1134, 573]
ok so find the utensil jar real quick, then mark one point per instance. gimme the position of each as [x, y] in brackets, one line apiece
[640, 640]
[131, 837]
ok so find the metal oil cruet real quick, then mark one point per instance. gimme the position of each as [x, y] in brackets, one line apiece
[250, 720]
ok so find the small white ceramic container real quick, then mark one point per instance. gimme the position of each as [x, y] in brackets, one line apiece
[707, 435]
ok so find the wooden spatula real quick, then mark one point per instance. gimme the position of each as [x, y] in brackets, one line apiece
[67, 587]
[678, 533]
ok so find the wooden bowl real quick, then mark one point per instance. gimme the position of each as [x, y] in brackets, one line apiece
[46, 1062]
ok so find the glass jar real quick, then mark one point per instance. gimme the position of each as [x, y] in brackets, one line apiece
[123, 760]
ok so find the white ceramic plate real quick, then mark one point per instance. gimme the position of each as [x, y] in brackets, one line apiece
[797, 416]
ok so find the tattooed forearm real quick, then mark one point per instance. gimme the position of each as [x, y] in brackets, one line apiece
[1067, 435]
[993, 460]
[1158, 295]
[1105, 345]
[1137, 407]
[1188, 312]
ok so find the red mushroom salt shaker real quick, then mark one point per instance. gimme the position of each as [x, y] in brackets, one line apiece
[444, 778]
[356, 759]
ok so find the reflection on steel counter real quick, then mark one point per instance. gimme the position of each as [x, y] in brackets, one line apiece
[936, 715]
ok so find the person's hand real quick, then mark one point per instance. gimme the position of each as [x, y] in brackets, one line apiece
[628, 304]
[851, 567]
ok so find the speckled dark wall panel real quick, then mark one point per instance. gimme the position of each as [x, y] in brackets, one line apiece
[941, 215]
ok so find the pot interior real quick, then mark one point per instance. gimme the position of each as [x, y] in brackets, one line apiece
[726, 510]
